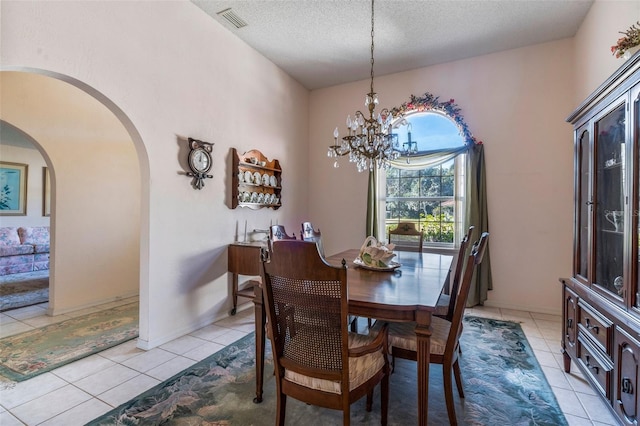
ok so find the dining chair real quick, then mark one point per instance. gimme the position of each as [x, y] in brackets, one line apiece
[317, 360]
[406, 237]
[277, 233]
[445, 335]
[307, 233]
[446, 303]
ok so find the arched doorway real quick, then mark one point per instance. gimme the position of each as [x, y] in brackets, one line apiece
[92, 150]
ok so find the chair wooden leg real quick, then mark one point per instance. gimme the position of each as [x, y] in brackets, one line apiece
[384, 399]
[346, 415]
[281, 409]
[448, 395]
[354, 325]
[456, 374]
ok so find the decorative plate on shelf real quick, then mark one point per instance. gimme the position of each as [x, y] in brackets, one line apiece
[392, 265]
[248, 177]
[273, 181]
[265, 179]
[257, 178]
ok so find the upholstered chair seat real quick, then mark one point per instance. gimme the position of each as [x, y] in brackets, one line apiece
[361, 368]
[402, 335]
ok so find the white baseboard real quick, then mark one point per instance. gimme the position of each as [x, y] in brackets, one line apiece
[154, 343]
[527, 308]
[52, 312]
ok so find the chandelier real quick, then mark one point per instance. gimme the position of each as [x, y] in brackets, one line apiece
[369, 141]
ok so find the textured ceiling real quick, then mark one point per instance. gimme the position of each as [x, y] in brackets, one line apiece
[322, 43]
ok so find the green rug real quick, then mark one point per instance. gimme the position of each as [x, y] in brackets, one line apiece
[503, 385]
[34, 352]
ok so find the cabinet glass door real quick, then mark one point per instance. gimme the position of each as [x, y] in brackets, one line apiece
[583, 205]
[635, 221]
[610, 165]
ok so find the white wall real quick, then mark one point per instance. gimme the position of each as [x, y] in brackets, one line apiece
[16, 147]
[515, 101]
[600, 30]
[172, 72]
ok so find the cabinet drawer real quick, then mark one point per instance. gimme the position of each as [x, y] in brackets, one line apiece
[596, 365]
[627, 377]
[595, 326]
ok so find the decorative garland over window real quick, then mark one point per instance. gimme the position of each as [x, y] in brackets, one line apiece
[429, 102]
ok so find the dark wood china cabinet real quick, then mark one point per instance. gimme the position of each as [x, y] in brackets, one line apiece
[601, 308]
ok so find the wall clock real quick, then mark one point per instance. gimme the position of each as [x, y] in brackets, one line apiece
[199, 162]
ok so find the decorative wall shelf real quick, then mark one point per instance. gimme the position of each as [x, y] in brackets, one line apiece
[256, 181]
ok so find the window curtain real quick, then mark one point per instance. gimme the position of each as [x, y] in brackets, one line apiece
[428, 158]
[476, 215]
[476, 204]
[372, 204]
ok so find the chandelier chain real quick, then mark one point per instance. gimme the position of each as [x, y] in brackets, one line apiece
[372, 61]
[370, 141]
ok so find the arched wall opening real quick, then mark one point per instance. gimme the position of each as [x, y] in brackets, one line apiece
[99, 168]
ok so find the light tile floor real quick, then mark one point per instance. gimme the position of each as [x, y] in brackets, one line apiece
[81, 391]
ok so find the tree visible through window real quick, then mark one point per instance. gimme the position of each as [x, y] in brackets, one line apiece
[426, 187]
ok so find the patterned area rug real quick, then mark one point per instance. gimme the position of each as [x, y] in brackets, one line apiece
[503, 385]
[34, 352]
[25, 289]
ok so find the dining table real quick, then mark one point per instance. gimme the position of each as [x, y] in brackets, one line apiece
[407, 293]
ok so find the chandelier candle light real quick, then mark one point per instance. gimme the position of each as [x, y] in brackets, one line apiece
[369, 141]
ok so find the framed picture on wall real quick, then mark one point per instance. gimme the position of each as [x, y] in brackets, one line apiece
[13, 189]
[46, 192]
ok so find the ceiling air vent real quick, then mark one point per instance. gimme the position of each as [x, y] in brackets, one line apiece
[232, 18]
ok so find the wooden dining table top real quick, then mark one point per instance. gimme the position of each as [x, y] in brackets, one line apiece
[415, 285]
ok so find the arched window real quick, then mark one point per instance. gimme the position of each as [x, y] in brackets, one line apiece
[426, 185]
[439, 183]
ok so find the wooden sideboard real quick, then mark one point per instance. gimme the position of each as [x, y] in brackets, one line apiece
[244, 259]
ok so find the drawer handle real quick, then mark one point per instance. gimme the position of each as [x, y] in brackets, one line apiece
[569, 322]
[593, 328]
[593, 367]
[627, 386]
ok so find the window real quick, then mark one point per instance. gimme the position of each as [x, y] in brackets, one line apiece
[427, 186]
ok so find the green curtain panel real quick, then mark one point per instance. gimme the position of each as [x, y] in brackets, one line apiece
[372, 204]
[476, 215]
